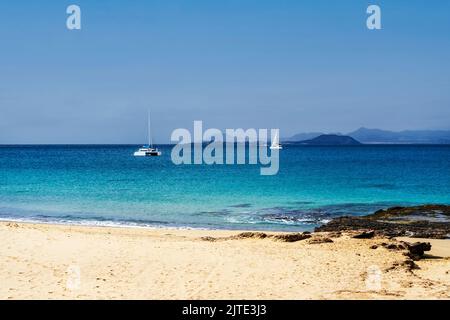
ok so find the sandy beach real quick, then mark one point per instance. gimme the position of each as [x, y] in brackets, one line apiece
[39, 261]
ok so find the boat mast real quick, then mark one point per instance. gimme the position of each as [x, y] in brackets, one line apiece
[150, 142]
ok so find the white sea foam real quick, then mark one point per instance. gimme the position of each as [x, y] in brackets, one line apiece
[96, 223]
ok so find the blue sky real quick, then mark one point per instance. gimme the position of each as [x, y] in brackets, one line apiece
[295, 65]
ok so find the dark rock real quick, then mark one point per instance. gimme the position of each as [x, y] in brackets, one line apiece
[428, 221]
[364, 235]
[374, 246]
[320, 240]
[337, 234]
[292, 237]
[417, 249]
[408, 264]
[245, 235]
[288, 237]
[393, 246]
[208, 238]
[426, 211]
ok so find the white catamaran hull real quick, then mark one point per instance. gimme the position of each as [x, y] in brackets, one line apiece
[147, 153]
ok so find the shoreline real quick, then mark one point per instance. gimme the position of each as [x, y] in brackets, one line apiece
[42, 261]
[98, 223]
[349, 220]
[148, 227]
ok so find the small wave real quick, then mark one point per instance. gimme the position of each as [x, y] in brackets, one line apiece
[97, 223]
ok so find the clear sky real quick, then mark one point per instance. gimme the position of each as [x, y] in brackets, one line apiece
[295, 65]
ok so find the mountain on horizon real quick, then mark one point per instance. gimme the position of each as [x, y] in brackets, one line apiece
[330, 140]
[378, 136]
[407, 136]
[304, 136]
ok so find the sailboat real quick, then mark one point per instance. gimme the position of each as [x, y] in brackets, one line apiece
[148, 150]
[276, 142]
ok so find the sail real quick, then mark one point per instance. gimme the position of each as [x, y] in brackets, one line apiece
[276, 140]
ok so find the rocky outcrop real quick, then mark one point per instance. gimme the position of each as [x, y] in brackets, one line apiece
[319, 240]
[285, 237]
[407, 264]
[292, 237]
[208, 238]
[428, 221]
[247, 235]
[364, 235]
[417, 249]
[429, 212]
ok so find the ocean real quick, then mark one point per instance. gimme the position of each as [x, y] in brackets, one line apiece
[106, 185]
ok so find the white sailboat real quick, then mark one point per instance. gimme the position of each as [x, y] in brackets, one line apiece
[148, 150]
[276, 142]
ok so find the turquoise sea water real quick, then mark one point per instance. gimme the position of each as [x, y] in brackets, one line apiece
[107, 185]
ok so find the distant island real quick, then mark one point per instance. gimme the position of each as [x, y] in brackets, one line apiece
[376, 136]
[329, 140]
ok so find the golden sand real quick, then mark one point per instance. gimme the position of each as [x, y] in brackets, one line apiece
[39, 261]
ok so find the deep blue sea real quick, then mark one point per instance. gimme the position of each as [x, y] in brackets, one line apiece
[106, 185]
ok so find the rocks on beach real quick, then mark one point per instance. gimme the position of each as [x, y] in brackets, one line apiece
[415, 250]
[427, 221]
[408, 264]
[292, 237]
[365, 235]
[411, 251]
[421, 221]
[320, 240]
[12, 225]
[246, 235]
[285, 237]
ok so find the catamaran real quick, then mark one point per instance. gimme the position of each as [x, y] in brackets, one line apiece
[276, 142]
[148, 150]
